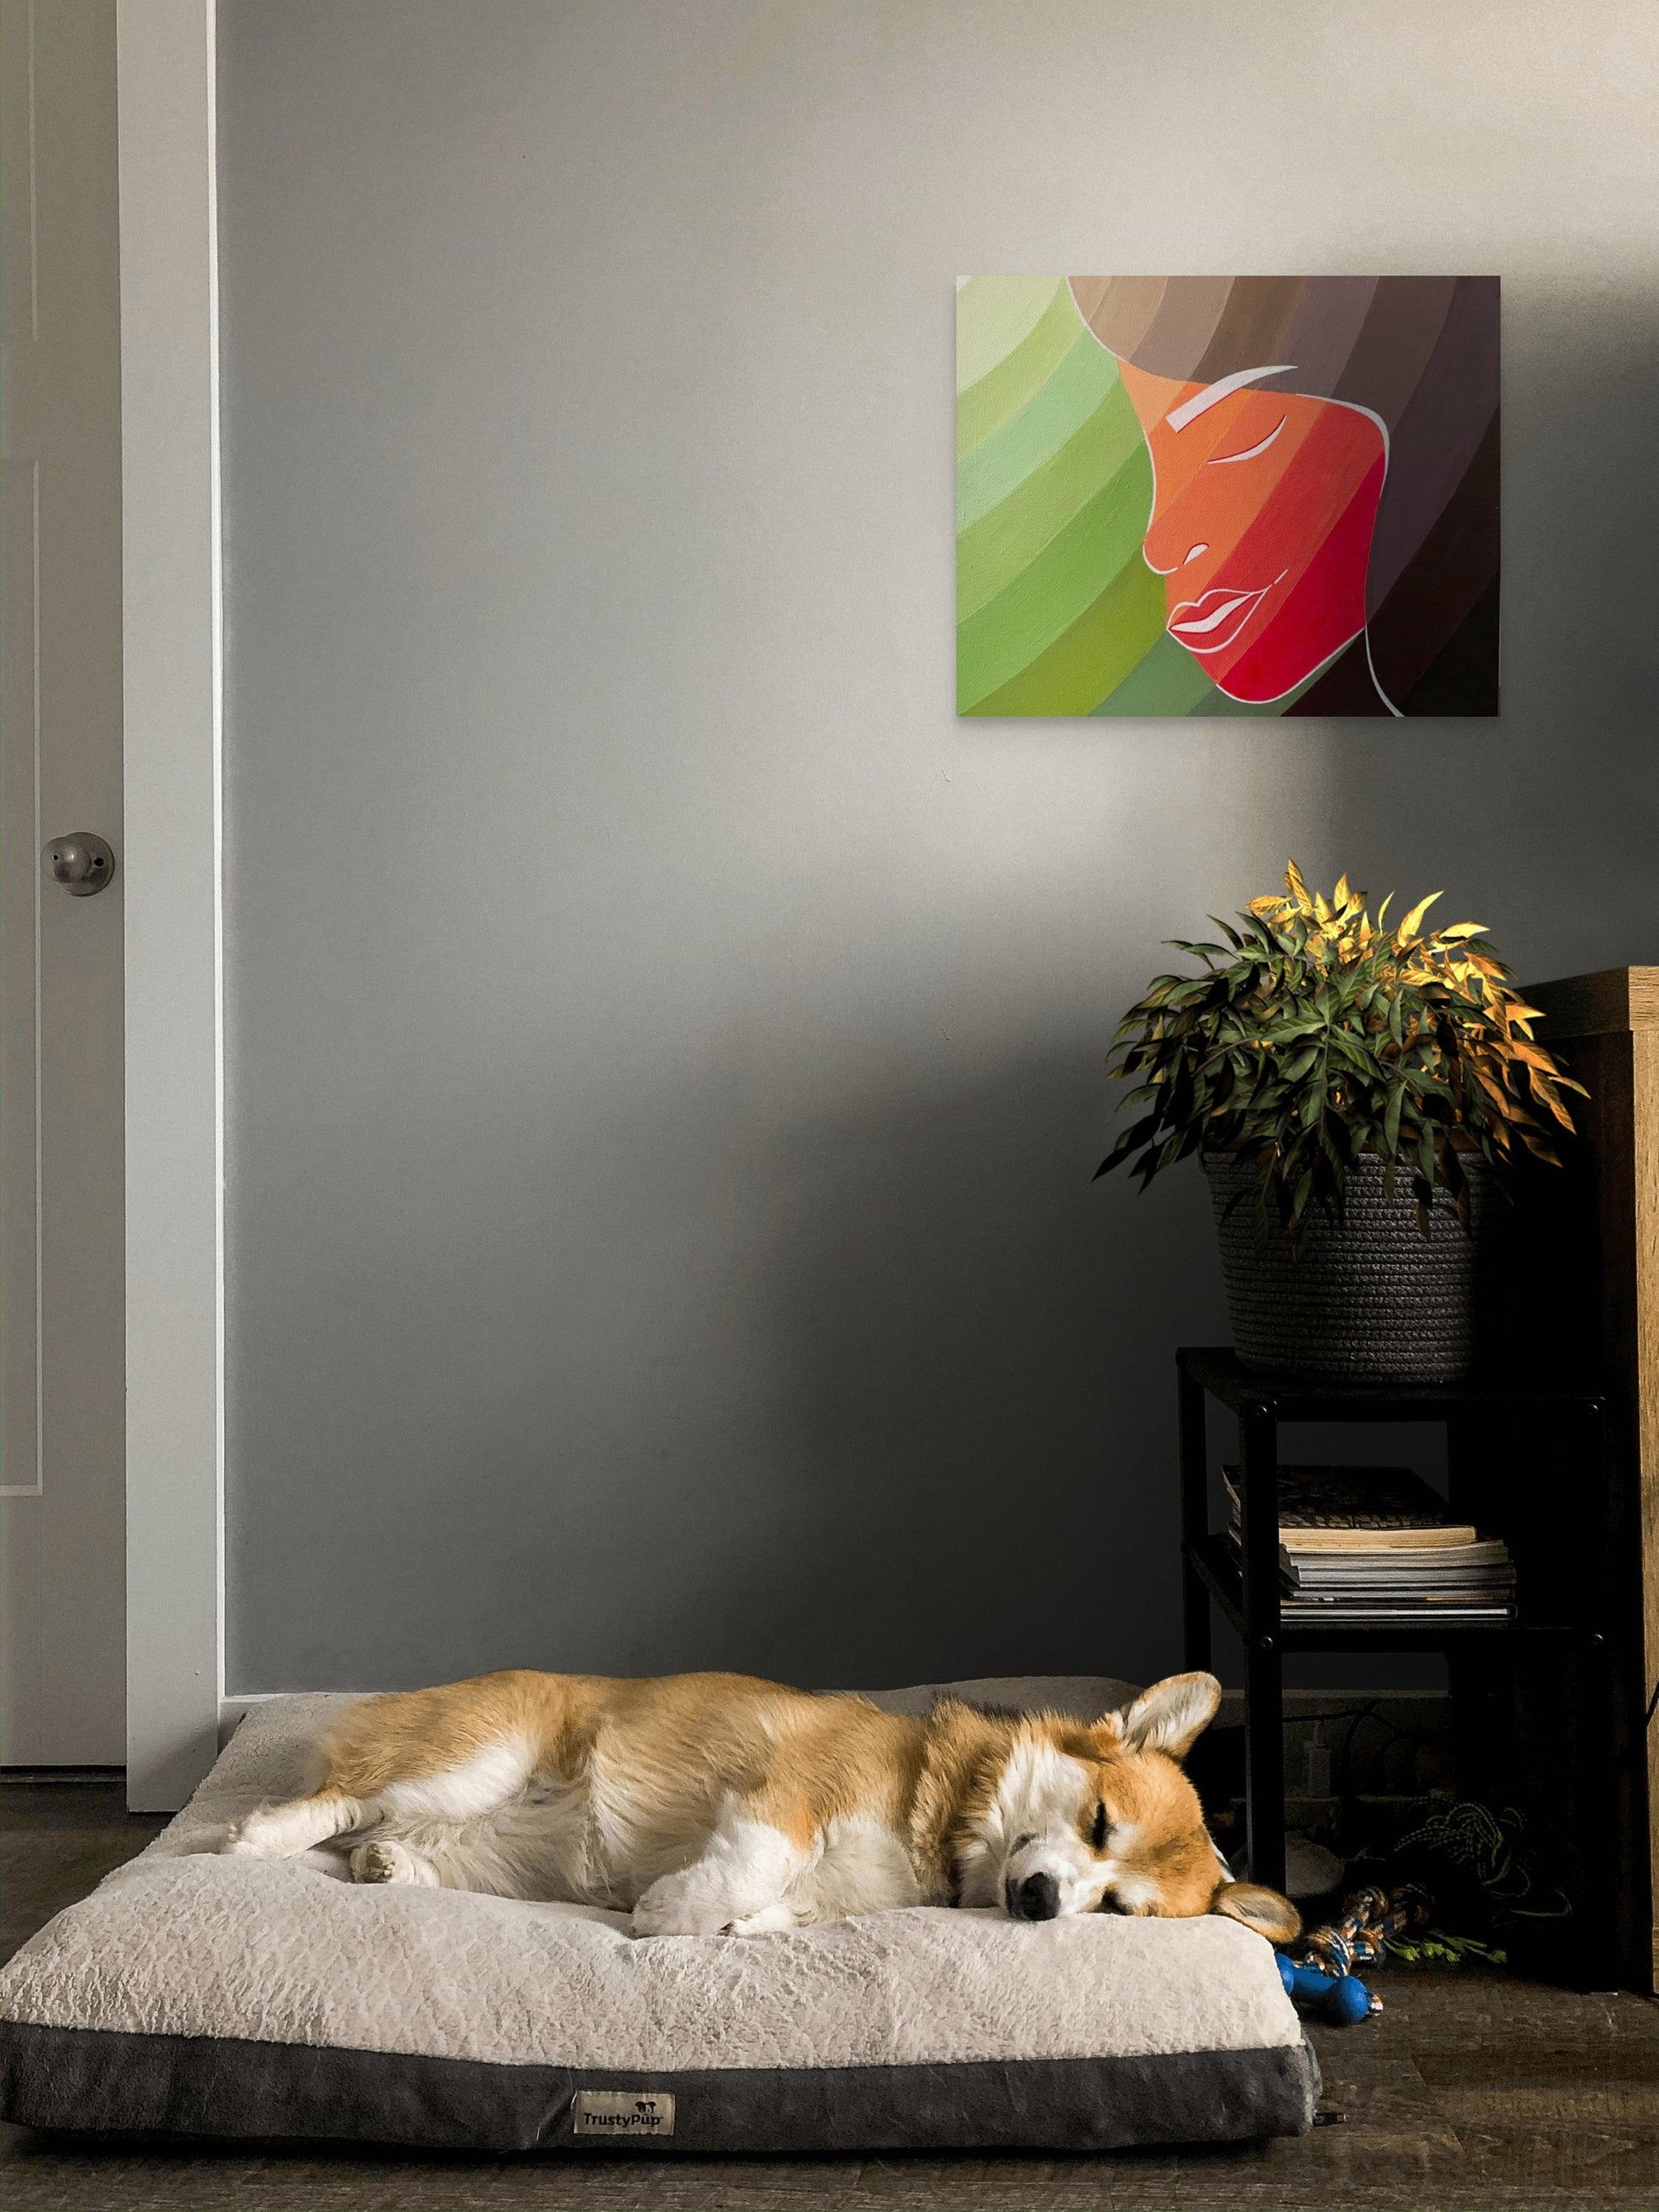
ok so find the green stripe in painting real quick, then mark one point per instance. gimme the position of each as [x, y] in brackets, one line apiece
[1221, 704]
[983, 409]
[1093, 657]
[995, 643]
[1166, 680]
[994, 313]
[1063, 405]
[1006, 542]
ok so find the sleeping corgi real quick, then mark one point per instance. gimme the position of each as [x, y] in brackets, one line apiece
[718, 1805]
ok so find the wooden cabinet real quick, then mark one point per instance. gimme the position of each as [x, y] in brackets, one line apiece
[1606, 1028]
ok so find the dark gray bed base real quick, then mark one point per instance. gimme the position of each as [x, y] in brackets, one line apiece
[89, 2078]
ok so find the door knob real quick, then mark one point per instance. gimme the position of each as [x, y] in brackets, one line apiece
[81, 862]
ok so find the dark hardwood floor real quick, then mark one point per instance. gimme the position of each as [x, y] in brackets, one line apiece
[1471, 2090]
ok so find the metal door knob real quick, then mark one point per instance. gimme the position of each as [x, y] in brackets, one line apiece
[81, 862]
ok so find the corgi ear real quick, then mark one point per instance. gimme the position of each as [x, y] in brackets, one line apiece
[1262, 1910]
[1172, 1715]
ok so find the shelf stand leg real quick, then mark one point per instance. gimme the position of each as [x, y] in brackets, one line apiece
[1264, 1687]
[1194, 1521]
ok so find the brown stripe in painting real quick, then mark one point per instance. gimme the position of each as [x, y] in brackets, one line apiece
[1251, 332]
[1323, 332]
[1393, 348]
[1453, 566]
[1462, 678]
[1180, 331]
[1439, 431]
[1119, 310]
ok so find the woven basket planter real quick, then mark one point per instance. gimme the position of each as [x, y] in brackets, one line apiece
[1371, 1301]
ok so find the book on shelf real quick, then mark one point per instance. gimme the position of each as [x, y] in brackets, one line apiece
[1314, 1542]
[1384, 1612]
[1360, 1508]
[1489, 1579]
[1439, 1559]
[1484, 1565]
[1369, 1579]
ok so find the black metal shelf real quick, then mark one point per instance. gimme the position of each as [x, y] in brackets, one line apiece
[1545, 1420]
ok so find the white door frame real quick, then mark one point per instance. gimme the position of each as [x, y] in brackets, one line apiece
[172, 869]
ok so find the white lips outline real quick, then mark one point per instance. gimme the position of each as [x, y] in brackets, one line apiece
[1232, 603]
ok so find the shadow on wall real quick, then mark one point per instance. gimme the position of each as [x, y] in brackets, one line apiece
[1577, 825]
[974, 1351]
[977, 1387]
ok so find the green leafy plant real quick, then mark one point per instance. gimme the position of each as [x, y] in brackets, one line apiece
[1314, 1037]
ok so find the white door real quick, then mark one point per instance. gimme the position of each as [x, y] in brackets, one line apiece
[63, 1538]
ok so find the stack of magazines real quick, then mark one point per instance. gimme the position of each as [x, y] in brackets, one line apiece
[1375, 1547]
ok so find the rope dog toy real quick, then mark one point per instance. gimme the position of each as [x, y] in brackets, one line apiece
[1320, 1969]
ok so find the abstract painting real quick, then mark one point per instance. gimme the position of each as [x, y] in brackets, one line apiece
[1227, 495]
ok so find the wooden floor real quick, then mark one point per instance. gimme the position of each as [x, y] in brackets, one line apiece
[1468, 2091]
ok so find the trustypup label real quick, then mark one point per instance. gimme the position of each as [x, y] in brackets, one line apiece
[624, 2112]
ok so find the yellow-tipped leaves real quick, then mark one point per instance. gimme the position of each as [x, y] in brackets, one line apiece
[1414, 921]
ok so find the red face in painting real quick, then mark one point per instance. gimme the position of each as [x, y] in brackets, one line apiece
[1261, 524]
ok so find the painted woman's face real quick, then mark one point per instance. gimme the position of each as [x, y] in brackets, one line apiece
[1262, 511]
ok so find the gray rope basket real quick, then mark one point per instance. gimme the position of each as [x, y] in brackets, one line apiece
[1371, 1302]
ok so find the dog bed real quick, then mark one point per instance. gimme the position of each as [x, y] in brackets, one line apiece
[234, 1997]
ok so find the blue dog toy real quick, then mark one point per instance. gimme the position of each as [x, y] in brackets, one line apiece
[1340, 1997]
[1319, 1972]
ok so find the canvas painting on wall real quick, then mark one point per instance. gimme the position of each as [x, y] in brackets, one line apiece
[1227, 495]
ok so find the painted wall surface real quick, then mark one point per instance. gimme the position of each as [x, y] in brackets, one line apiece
[665, 1043]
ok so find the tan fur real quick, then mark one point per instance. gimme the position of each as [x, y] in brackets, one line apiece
[582, 1786]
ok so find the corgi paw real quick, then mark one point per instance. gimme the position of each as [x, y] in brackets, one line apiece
[251, 1839]
[674, 1905]
[772, 1921]
[390, 1862]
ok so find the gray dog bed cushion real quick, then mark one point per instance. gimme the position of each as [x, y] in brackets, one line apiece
[235, 1996]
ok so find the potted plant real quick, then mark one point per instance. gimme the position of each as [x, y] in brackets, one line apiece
[1355, 1093]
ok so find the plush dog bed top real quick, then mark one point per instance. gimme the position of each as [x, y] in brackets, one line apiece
[237, 1997]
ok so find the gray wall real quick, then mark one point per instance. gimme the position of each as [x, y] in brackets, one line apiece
[665, 1044]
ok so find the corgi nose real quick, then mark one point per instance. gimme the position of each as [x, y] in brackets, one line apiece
[1037, 1897]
